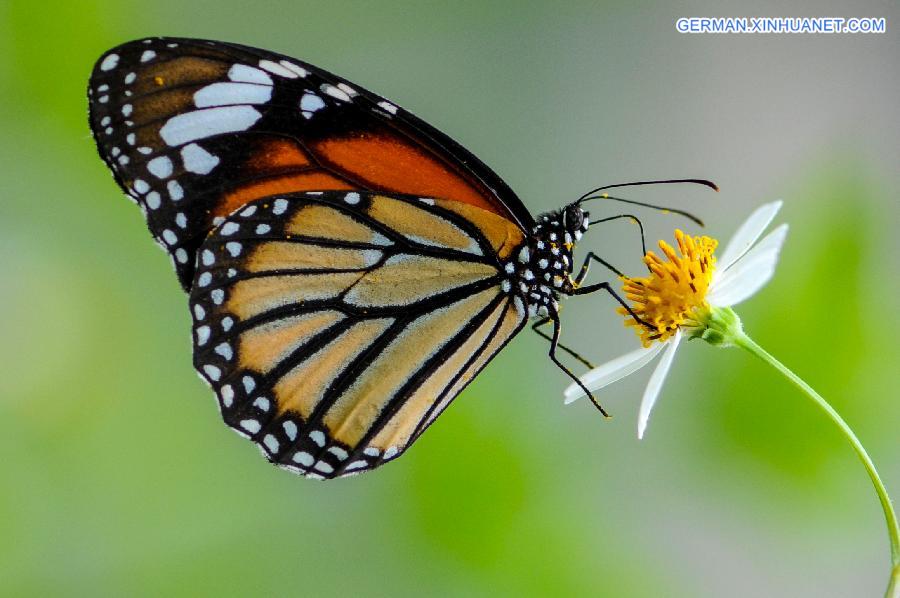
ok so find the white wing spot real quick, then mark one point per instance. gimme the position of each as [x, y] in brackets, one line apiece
[242, 73]
[233, 248]
[175, 190]
[318, 437]
[279, 206]
[181, 220]
[140, 185]
[224, 349]
[263, 229]
[198, 160]
[169, 237]
[129, 78]
[212, 371]
[229, 228]
[204, 279]
[277, 69]
[310, 103]
[271, 443]
[199, 312]
[127, 109]
[202, 335]
[371, 451]
[207, 258]
[181, 255]
[335, 92]
[200, 124]
[248, 211]
[153, 200]
[303, 458]
[324, 467]
[352, 198]
[338, 452]
[110, 62]
[290, 428]
[227, 395]
[218, 296]
[348, 90]
[160, 167]
[148, 55]
[301, 72]
[524, 255]
[229, 94]
[262, 403]
[388, 107]
[227, 322]
[251, 425]
[249, 384]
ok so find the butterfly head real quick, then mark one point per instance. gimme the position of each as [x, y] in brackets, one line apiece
[542, 267]
[561, 229]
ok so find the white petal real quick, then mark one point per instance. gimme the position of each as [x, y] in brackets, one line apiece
[750, 273]
[656, 382]
[613, 370]
[747, 234]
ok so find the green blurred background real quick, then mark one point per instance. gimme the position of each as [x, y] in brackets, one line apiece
[117, 476]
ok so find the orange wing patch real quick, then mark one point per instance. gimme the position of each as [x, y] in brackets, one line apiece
[301, 389]
[312, 181]
[421, 225]
[503, 235]
[400, 427]
[324, 222]
[274, 154]
[286, 255]
[354, 412]
[386, 162]
[264, 347]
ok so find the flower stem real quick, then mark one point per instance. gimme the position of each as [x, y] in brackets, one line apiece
[893, 590]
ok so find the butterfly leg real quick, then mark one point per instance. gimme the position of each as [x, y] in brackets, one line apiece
[593, 256]
[541, 333]
[554, 344]
[605, 286]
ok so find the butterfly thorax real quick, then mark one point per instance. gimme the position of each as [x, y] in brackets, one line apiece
[540, 270]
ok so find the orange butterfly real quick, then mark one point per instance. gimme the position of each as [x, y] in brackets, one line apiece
[350, 268]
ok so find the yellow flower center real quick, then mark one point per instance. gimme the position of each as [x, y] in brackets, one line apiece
[670, 296]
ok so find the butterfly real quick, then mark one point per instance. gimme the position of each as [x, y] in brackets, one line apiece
[350, 268]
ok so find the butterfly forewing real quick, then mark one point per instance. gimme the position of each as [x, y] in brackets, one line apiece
[193, 130]
[334, 327]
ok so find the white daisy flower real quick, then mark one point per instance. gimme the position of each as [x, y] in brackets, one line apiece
[688, 295]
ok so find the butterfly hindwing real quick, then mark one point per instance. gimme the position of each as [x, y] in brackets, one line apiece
[193, 130]
[336, 326]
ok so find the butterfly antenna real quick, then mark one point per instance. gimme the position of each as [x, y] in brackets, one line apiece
[595, 194]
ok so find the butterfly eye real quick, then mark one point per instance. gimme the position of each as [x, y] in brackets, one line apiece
[573, 218]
